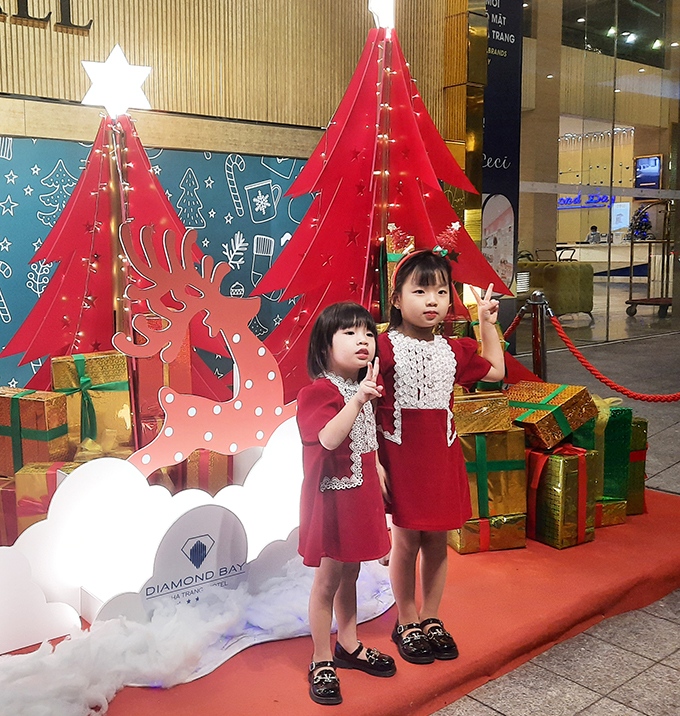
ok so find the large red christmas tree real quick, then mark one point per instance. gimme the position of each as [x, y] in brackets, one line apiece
[75, 313]
[375, 170]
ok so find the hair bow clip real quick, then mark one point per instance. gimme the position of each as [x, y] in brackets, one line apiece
[440, 250]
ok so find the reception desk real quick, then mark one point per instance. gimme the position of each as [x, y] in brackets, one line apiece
[596, 254]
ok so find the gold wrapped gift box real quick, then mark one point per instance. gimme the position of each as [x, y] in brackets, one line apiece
[610, 511]
[494, 533]
[561, 496]
[98, 397]
[33, 428]
[481, 412]
[549, 412]
[207, 470]
[496, 468]
[636, 467]
[8, 512]
[36, 484]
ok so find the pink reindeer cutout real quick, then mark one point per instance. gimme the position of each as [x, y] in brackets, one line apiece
[192, 422]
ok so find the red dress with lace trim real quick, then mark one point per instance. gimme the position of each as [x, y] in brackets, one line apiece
[344, 523]
[427, 477]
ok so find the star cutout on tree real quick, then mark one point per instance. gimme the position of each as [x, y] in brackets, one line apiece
[209, 182]
[35, 170]
[353, 286]
[28, 190]
[352, 237]
[8, 206]
[96, 345]
[65, 321]
[116, 84]
[325, 259]
[361, 188]
[11, 177]
[356, 153]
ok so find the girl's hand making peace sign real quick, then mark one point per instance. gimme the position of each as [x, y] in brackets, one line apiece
[487, 307]
[369, 388]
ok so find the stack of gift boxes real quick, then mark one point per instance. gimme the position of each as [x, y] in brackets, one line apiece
[548, 462]
[45, 435]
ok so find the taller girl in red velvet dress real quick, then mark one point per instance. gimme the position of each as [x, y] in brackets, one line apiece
[419, 448]
[342, 518]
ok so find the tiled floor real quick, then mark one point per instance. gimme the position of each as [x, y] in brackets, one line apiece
[627, 665]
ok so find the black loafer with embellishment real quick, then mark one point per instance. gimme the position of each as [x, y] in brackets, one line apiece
[324, 686]
[413, 647]
[375, 663]
[442, 643]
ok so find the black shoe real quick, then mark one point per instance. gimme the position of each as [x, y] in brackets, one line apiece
[414, 647]
[442, 643]
[375, 663]
[324, 685]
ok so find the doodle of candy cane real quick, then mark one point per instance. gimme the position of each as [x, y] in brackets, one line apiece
[234, 160]
[5, 315]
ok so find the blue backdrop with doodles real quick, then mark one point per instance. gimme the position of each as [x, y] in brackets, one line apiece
[235, 202]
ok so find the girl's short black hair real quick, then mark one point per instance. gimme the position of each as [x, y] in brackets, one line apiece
[332, 319]
[427, 269]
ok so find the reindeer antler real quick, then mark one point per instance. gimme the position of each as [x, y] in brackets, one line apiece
[188, 290]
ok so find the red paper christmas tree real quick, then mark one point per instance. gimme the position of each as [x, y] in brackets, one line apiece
[377, 165]
[75, 313]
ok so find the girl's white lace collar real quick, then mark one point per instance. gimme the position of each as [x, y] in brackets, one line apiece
[362, 437]
[424, 374]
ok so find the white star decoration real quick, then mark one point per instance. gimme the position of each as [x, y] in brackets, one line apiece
[28, 190]
[37, 243]
[35, 170]
[8, 206]
[211, 213]
[5, 244]
[228, 218]
[156, 169]
[209, 182]
[205, 243]
[455, 225]
[116, 84]
[168, 194]
[11, 177]
[13, 383]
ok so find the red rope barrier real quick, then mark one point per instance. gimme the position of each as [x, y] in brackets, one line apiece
[513, 326]
[609, 383]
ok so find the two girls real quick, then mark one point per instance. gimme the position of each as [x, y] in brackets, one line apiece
[342, 520]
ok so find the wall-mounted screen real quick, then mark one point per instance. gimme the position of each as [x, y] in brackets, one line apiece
[648, 172]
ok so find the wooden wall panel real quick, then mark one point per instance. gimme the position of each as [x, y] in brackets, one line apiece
[281, 61]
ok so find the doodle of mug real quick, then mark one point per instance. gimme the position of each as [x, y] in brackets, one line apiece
[263, 198]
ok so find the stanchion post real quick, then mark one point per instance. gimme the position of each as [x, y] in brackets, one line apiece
[538, 305]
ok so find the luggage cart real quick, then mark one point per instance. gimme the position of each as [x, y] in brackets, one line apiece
[658, 261]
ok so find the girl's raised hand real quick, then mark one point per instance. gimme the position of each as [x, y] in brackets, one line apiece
[369, 388]
[487, 307]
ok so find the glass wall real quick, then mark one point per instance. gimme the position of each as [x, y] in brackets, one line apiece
[598, 165]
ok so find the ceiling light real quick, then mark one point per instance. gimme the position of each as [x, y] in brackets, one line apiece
[656, 44]
[611, 32]
[617, 90]
[631, 38]
[675, 44]
[641, 69]
[550, 76]
[581, 19]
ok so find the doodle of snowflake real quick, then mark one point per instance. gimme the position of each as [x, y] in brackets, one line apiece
[261, 202]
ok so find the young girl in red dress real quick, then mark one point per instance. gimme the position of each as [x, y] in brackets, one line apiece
[342, 517]
[419, 447]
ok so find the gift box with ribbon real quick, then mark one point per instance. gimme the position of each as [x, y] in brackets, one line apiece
[36, 484]
[8, 512]
[496, 468]
[489, 534]
[33, 428]
[636, 467]
[98, 397]
[610, 511]
[561, 496]
[207, 470]
[152, 374]
[481, 412]
[549, 412]
[476, 330]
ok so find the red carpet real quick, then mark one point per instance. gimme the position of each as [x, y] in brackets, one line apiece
[502, 607]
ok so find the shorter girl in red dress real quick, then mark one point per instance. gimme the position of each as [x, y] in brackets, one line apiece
[419, 447]
[342, 517]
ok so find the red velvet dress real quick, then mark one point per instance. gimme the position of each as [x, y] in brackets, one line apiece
[342, 515]
[419, 447]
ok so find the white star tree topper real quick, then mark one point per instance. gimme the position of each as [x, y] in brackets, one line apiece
[116, 84]
[383, 12]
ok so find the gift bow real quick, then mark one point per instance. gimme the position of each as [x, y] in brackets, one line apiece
[88, 417]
